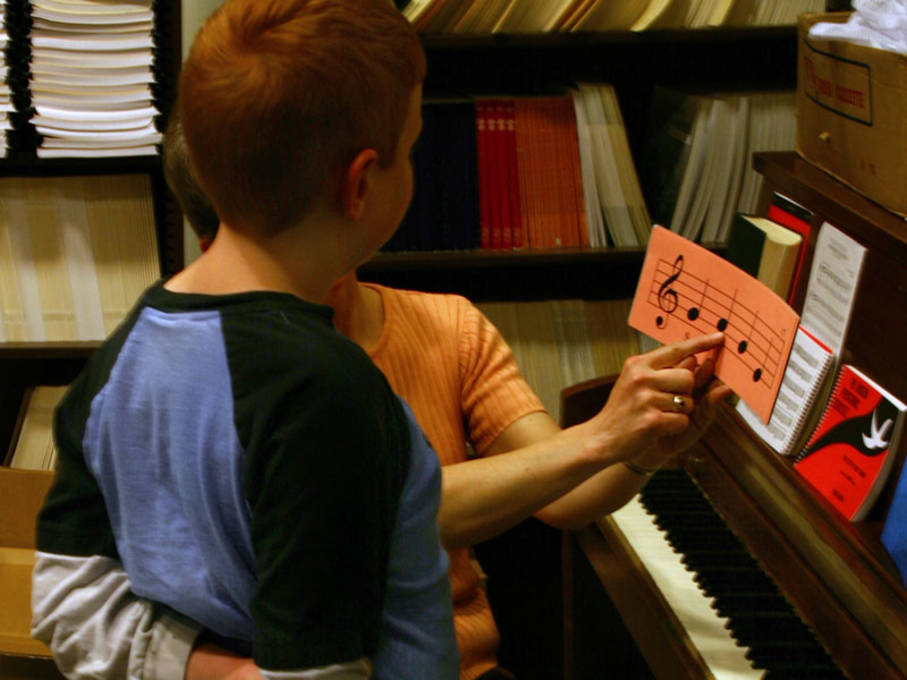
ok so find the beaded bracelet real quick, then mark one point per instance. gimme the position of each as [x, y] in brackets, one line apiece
[645, 472]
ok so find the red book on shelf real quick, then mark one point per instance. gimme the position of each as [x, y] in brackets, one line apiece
[514, 229]
[851, 451]
[502, 170]
[496, 183]
[483, 153]
[794, 216]
[572, 185]
[528, 180]
[544, 168]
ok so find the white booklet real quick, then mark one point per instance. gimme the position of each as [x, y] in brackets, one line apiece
[800, 397]
[833, 278]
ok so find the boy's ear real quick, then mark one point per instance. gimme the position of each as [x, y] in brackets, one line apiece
[356, 183]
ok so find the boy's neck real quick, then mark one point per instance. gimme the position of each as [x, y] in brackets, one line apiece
[358, 311]
[302, 261]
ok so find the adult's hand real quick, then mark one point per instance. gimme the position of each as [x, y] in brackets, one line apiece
[653, 399]
[708, 392]
[210, 662]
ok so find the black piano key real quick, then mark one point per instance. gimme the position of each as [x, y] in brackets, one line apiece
[776, 654]
[749, 626]
[759, 617]
[737, 604]
[792, 672]
[733, 581]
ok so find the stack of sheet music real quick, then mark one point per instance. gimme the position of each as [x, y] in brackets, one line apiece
[695, 167]
[6, 104]
[91, 77]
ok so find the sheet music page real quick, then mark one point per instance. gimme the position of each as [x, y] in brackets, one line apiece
[833, 278]
[686, 290]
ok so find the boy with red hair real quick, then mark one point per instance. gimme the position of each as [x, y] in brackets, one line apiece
[248, 466]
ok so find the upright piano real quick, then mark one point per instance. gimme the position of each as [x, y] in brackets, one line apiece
[731, 565]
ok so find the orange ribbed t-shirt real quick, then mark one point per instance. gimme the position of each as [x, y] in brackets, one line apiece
[456, 372]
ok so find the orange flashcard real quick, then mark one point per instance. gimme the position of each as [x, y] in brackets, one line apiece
[685, 290]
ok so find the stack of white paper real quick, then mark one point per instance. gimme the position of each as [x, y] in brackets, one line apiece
[91, 76]
[6, 104]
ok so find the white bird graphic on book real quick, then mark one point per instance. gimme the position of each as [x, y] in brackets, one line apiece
[875, 438]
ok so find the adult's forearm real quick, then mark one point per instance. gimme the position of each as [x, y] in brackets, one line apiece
[484, 497]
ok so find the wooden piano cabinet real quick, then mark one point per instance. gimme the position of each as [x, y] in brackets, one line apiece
[836, 574]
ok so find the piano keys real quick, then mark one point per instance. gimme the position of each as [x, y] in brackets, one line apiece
[706, 628]
[745, 603]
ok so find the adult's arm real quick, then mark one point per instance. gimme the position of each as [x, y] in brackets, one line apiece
[569, 477]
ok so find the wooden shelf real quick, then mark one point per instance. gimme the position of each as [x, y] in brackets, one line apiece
[485, 275]
[702, 60]
[675, 36]
[43, 351]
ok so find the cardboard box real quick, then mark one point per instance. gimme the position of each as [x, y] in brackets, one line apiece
[23, 493]
[852, 113]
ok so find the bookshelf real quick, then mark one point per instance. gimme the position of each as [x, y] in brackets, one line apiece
[704, 60]
[25, 364]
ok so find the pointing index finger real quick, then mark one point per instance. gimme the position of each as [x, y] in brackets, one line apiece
[671, 355]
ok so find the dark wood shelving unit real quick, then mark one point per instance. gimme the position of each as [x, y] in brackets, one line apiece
[704, 60]
[521, 275]
[56, 363]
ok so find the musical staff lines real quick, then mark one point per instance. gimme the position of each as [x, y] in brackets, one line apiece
[686, 290]
[692, 301]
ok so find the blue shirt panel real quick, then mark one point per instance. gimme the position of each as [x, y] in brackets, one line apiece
[417, 634]
[183, 458]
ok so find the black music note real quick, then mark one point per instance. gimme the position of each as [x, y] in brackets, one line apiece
[667, 296]
[693, 312]
[742, 346]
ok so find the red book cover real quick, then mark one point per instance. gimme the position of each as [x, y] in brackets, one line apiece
[793, 216]
[483, 156]
[503, 173]
[544, 168]
[513, 234]
[850, 453]
[525, 140]
[573, 189]
[495, 161]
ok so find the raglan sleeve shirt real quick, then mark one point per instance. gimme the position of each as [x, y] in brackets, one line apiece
[325, 456]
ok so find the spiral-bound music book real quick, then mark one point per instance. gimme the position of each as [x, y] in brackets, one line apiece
[800, 397]
[851, 452]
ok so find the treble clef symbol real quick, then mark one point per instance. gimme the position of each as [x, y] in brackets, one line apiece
[667, 296]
